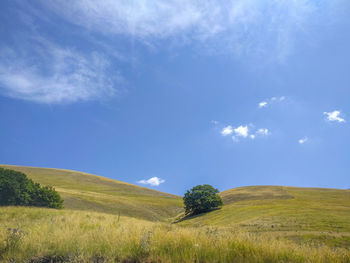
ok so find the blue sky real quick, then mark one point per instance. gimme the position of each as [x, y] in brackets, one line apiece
[171, 94]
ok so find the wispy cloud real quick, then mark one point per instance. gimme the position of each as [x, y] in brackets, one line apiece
[44, 72]
[214, 122]
[334, 116]
[153, 181]
[270, 101]
[52, 73]
[262, 132]
[238, 27]
[303, 140]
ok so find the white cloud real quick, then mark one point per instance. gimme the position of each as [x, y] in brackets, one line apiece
[263, 28]
[334, 116]
[244, 131]
[154, 181]
[48, 73]
[226, 130]
[303, 140]
[262, 104]
[262, 132]
[270, 101]
[241, 131]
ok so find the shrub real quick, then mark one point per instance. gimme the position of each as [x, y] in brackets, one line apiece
[17, 189]
[12, 240]
[201, 198]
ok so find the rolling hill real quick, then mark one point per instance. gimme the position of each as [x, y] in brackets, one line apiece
[255, 208]
[256, 224]
[261, 208]
[303, 215]
[83, 191]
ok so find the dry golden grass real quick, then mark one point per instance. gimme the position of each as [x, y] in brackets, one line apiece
[79, 236]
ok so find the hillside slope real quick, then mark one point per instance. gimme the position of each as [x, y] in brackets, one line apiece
[277, 208]
[83, 191]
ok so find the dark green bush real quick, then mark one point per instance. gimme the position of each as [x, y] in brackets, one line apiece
[17, 189]
[201, 198]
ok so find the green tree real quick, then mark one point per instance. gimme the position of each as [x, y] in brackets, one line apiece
[13, 188]
[201, 198]
[17, 189]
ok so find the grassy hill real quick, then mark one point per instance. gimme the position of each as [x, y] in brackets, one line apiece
[105, 220]
[303, 215]
[83, 191]
[261, 208]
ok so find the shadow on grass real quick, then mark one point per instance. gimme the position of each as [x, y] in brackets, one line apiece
[191, 216]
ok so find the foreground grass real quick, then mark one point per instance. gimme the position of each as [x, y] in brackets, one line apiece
[78, 236]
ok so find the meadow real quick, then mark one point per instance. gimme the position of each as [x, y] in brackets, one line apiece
[47, 235]
[111, 221]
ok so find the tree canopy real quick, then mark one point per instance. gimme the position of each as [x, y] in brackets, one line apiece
[201, 198]
[17, 189]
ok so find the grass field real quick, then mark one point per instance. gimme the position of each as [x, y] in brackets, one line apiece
[314, 216]
[276, 208]
[111, 221]
[79, 236]
[82, 191]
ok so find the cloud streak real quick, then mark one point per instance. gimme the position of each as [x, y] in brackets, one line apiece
[270, 101]
[262, 132]
[48, 72]
[239, 27]
[44, 72]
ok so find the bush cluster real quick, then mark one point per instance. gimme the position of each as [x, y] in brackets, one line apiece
[17, 189]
